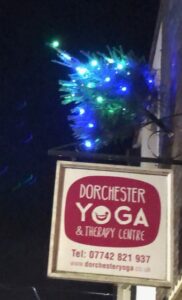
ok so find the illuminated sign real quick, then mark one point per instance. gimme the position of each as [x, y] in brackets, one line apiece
[111, 224]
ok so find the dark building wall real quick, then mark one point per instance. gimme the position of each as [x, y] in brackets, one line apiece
[171, 95]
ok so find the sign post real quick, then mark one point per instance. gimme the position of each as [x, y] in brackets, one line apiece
[112, 224]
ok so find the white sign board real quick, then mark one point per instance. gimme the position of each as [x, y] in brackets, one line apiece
[112, 224]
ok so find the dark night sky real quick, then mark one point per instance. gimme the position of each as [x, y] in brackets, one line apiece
[27, 72]
[31, 117]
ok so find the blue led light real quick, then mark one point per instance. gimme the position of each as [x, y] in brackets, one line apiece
[150, 81]
[124, 88]
[88, 144]
[81, 111]
[90, 125]
[120, 66]
[107, 79]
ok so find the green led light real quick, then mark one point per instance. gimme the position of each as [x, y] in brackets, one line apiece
[91, 85]
[100, 99]
[110, 60]
[55, 44]
[121, 65]
[81, 70]
[94, 63]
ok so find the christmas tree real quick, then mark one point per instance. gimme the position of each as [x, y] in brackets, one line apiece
[109, 95]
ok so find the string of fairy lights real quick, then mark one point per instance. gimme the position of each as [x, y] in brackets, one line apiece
[107, 93]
